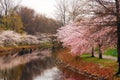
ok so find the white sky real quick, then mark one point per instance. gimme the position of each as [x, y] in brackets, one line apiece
[46, 7]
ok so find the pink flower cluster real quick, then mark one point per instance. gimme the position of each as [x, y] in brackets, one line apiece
[81, 38]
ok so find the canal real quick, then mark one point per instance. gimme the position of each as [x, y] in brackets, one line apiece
[40, 65]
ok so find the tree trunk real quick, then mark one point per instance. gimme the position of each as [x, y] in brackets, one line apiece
[92, 52]
[100, 52]
[118, 46]
[118, 33]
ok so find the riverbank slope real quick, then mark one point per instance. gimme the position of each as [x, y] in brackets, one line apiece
[85, 65]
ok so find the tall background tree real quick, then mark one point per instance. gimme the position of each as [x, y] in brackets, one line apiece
[27, 16]
[117, 2]
[62, 11]
[113, 6]
[72, 10]
[7, 6]
[8, 15]
[37, 23]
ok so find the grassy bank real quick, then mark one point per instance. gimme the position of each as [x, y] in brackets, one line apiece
[95, 66]
[6, 50]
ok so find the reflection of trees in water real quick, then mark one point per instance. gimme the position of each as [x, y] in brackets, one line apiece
[28, 71]
[35, 68]
[11, 74]
[70, 75]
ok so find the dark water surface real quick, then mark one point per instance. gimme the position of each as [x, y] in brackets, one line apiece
[40, 69]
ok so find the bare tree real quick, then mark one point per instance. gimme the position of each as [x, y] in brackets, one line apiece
[8, 5]
[7, 9]
[73, 9]
[61, 11]
[27, 16]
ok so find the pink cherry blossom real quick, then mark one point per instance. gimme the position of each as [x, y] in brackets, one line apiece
[81, 38]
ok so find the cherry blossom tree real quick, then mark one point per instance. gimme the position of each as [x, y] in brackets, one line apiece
[115, 10]
[74, 37]
[11, 38]
[81, 38]
[104, 38]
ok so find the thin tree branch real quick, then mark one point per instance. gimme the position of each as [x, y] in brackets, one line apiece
[101, 3]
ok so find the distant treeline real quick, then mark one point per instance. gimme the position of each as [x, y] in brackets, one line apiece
[37, 22]
[22, 19]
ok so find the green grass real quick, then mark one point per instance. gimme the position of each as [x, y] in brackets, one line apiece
[111, 52]
[102, 62]
[87, 59]
[86, 55]
[5, 48]
[45, 45]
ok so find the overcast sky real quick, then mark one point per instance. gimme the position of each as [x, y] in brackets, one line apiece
[46, 7]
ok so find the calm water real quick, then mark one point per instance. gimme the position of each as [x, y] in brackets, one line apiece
[39, 69]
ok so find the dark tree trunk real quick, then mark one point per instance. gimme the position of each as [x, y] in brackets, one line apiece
[118, 46]
[100, 52]
[118, 33]
[92, 52]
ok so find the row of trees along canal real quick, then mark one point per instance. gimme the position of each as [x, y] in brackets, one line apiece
[15, 17]
[104, 14]
[95, 23]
